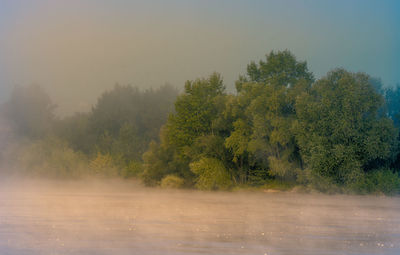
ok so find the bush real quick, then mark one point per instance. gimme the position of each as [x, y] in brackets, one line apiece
[155, 164]
[133, 169]
[50, 157]
[211, 174]
[172, 182]
[282, 169]
[321, 183]
[103, 166]
[383, 180]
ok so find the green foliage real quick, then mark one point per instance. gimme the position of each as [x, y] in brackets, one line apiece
[262, 137]
[281, 129]
[155, 164]
[132, 169]
[50, 157]
[161, 160]
[392, 98]
[195, 111]
[211, 174]
[189, 132]
[119, 127]
[381, 181]
[172, 182]
[122, 123]
[282, 169]
[281, 126]
[103, 166]
[239, 139]
[320, 183]
[144, 110]
[281, 68]
[339, 129]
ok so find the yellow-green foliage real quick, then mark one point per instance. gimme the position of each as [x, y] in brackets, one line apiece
[103, 166]
[132, 169]
[51, 157]
[281, 168]
[211, 174]
[172, 181]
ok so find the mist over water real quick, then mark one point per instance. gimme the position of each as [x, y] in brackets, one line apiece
[100, 98]
[113, 217]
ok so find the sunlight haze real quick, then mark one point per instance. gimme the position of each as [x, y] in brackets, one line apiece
[78, 49]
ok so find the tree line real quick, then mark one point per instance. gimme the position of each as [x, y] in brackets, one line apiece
[282, 128]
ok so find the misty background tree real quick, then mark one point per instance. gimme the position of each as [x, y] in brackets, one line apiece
[282, 128]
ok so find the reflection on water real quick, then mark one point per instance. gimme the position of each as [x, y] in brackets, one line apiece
[92, 218]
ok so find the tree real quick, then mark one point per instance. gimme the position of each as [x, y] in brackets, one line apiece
[340, 130]
[121, 124]
[195, 110]
[30, 112]
[76, 131]
[264, 111]
[211, 174]
[392, 98]
[197, 119]
[280, 68]
[145, 111]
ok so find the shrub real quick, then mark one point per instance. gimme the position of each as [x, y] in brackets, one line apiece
[51, 157]
[382, 180]
[172, 182]
[133, 169]
[321, 183]
[103, 166]
[282, 169]
[211, 174]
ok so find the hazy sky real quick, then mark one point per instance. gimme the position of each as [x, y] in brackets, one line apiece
[77, 49]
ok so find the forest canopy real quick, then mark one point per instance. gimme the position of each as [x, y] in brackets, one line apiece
[282, 127]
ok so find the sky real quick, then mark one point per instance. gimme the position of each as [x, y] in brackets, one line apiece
[76, 49]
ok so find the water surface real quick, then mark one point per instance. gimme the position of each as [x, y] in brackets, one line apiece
[123, 218]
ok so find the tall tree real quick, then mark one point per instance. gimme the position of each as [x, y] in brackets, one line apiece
[340, 130]
[262, 141]
[196, 119]
[125, 119]
[392, 97]
[30, 111]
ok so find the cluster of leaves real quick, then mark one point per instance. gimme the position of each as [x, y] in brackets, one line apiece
[337, 133]
[330, 134]
[195, 131]
[111, 138]
[48, 157]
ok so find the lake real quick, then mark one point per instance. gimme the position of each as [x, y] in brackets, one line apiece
[90, 217]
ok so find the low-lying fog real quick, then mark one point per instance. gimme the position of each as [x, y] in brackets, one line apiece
[124, 218]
